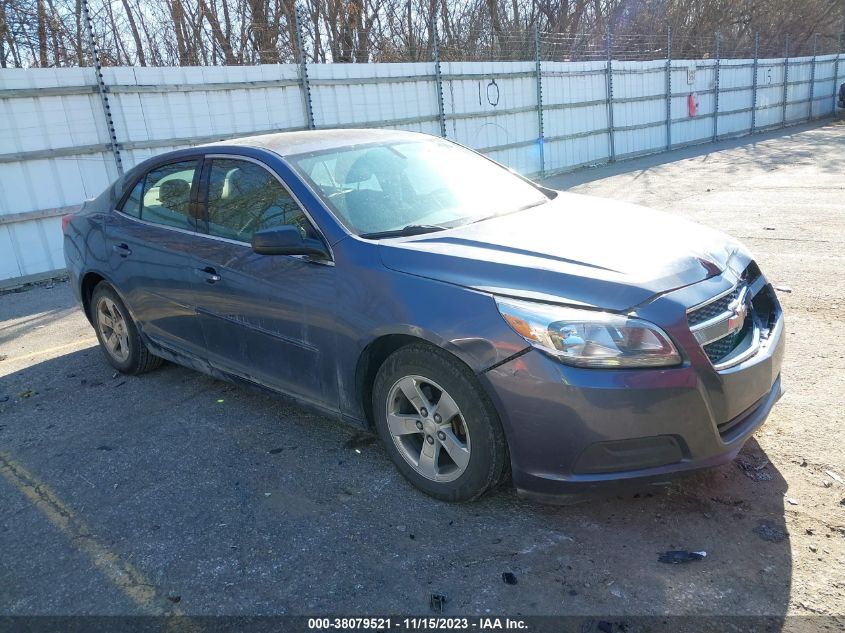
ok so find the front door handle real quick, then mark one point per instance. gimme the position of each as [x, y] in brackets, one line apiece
[122, 249]
[210, 274]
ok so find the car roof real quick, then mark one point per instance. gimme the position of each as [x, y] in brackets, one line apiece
[306, 141]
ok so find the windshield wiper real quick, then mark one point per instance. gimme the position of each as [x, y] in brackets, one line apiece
[498, 215]
[411, 229]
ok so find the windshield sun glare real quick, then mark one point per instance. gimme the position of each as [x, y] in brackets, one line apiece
[383, 188]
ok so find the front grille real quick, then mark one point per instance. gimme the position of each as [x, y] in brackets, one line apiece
[707, 312]
[721, 348]
[717, 350]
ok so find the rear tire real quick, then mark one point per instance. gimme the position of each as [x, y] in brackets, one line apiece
[118, 335]
[457, 456]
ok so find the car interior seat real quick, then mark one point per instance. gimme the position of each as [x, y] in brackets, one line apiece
[175, 195]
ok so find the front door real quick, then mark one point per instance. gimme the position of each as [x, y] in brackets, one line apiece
[266, 318]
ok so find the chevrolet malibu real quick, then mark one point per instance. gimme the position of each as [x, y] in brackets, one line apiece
[482, 325]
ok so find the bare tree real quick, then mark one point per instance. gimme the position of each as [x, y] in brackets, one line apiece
[190, 32]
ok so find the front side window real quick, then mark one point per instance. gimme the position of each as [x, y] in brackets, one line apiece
[244, 198]
[163, 195]
[385, 187]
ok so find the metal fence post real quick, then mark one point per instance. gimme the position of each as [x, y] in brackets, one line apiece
[539, 71]
[305, 86]
[101, 86]
[754, 82]
[836, 73]
[812, 78]
[668, 88]
[785, 77]
[437, 76]
[716, 88]
[609, 95]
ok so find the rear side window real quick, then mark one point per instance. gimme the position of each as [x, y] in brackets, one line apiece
[132, 206]
[244, 198]
[163, 195]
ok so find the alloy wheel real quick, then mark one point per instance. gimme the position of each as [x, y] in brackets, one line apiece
[428, 429]
[113, 330]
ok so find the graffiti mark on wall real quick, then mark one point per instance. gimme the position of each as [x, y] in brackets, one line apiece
[491, 93]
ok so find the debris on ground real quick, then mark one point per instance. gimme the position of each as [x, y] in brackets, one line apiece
[509, 578]
[770, 532]
[4, 398]
[360, 439]
[768, 228]
[174, 598]
[436, 602]
[676, 557]
[27, 393]
[791, 501]
[104, 447]
[275, 451]
[783, 288]
[833, 476]
[3, 356]
[754, 467]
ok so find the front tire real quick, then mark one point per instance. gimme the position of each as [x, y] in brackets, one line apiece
[439, 427]
[118, 335]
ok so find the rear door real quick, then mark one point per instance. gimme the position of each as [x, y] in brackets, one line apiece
[266, 318]
[152, 237]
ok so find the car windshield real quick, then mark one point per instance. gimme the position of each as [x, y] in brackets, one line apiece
[412, 186]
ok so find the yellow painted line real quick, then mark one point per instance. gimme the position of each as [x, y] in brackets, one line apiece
[119, 572]
[86, 342]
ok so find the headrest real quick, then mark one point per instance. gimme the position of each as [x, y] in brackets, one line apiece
[174, 190]
[246, 181]
[375, 161]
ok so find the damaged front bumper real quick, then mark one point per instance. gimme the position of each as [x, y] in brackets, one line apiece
[574, 430]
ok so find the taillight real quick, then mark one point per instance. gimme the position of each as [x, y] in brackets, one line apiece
[65, 221]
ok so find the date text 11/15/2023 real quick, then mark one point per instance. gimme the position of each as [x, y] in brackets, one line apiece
[485, 623]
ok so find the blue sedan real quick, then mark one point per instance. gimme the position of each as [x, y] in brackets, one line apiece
[482, 325]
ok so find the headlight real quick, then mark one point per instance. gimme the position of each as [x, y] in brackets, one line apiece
[588, 338]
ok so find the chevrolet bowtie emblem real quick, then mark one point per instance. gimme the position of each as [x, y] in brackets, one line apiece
[730, 321]
[739, 309]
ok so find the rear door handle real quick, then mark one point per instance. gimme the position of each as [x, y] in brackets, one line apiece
[122, 249]
[210, 274]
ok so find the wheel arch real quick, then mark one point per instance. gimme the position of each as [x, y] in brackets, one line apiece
[88, 282]
[372, 357]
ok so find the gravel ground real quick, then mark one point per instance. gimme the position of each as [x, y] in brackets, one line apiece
[174, 492]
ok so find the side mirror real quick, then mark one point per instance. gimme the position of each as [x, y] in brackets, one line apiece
[287, 240]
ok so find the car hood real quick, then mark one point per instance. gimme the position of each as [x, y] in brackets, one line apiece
[574, 249]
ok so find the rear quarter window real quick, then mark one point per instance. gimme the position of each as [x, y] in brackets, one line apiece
[132, 204]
